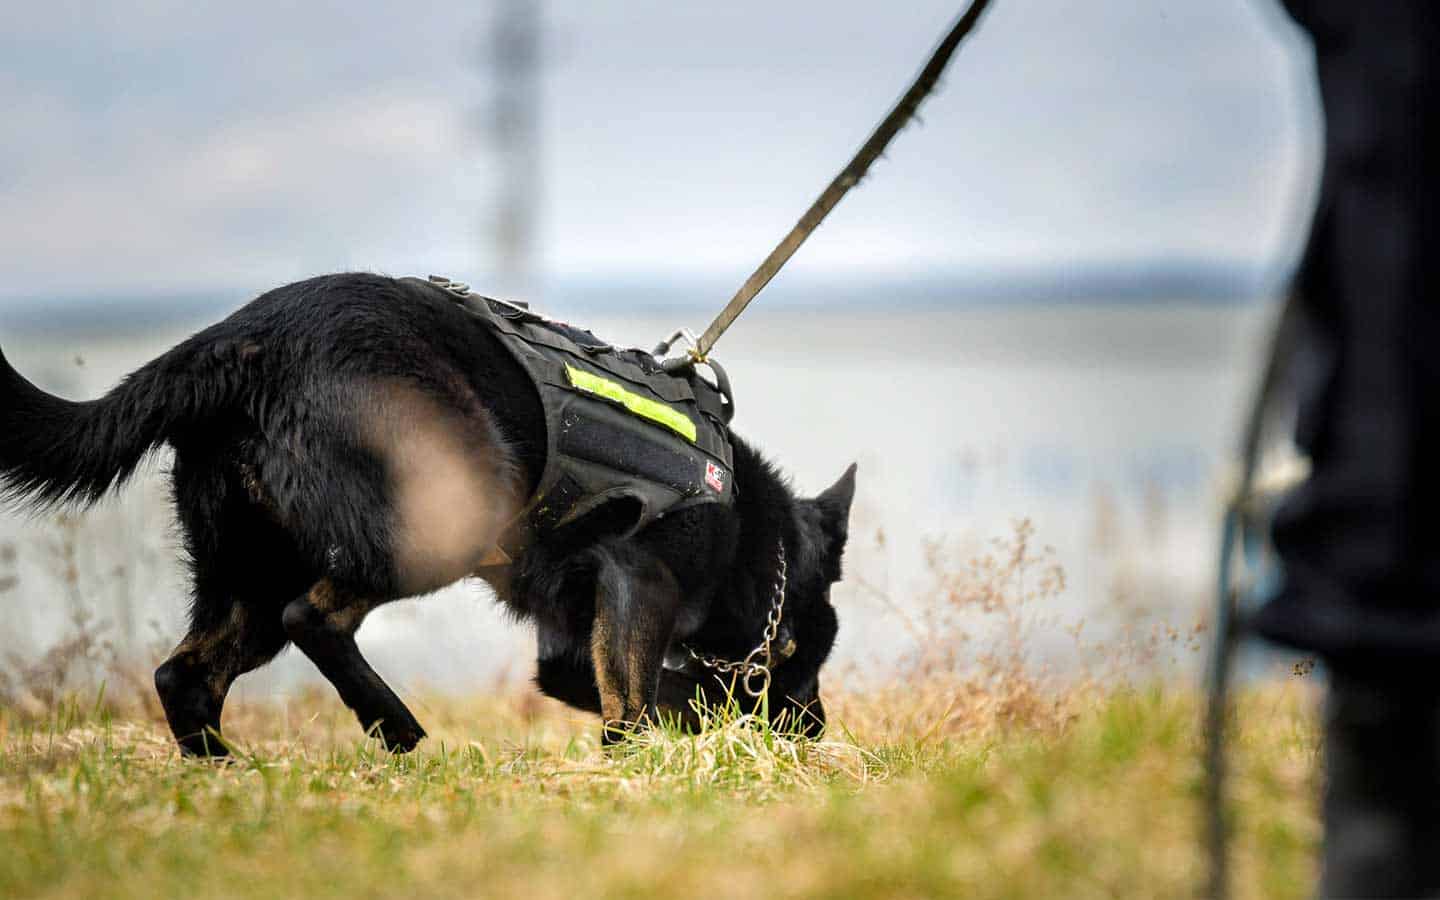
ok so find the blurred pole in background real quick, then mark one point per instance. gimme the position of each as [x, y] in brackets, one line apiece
[512, 57]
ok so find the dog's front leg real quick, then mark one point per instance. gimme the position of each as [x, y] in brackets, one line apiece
[636, 601]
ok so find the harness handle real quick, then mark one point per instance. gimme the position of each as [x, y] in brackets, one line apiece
[685, 366]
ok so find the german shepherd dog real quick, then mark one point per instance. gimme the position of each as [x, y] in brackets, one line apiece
[354, 439]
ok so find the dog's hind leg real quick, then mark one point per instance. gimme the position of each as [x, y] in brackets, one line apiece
[225, 643]
[245, 569]
[322, 624]
[636, 602]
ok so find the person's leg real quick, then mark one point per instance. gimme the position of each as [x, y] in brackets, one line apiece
[1382, 785]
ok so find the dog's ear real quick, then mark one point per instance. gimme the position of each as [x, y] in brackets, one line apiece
[834, 504]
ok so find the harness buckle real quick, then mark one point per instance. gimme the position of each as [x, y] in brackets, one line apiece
[458, 288]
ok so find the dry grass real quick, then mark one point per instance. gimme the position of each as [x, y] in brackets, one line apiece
[513, 795]
[970, 771]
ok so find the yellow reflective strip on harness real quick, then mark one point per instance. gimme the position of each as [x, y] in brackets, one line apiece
[643, 407]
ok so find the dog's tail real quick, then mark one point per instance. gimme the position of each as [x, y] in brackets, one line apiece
[55, 451]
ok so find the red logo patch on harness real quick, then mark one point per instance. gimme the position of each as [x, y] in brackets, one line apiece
[715, 477]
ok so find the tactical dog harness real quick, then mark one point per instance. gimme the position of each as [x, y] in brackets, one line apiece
[618, 428]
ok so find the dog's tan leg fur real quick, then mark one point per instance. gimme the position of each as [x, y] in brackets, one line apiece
[636, 598]
[613, 708]
[342, 611]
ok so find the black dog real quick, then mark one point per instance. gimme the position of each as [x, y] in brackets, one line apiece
[354, 439]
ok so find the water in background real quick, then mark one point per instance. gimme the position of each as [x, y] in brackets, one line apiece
[1109, 427]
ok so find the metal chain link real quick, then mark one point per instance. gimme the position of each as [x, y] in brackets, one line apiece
[755, 667]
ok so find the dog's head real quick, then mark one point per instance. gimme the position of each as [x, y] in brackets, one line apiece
[813, 532]
[814, 565]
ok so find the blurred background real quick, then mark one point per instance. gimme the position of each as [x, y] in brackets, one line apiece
[1046, 303]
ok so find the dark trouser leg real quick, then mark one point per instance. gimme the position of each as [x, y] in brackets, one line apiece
[322, 624]
[1382, 787]
[636, 598]
[195, 680]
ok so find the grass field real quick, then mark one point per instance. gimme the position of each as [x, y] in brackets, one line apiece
[967, 774]
[930, 789]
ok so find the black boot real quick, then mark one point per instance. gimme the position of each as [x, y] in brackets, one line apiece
[1382, 785]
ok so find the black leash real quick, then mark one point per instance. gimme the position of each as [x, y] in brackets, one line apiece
[850, 176]
[1241, 522]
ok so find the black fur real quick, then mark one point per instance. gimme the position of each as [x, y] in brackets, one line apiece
[291, 520]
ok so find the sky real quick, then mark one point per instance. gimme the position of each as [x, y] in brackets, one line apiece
[156, 147]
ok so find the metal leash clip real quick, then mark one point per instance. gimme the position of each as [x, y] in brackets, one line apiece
[754, 671]
[692, 354]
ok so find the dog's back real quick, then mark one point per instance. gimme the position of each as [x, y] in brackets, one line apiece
[336, 403]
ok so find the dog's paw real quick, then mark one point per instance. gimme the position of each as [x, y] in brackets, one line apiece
[618, 731]
[204, 745]
[402, 740]
[399, 734]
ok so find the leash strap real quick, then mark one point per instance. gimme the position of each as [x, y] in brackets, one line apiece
[850, 176]
[1230, 627]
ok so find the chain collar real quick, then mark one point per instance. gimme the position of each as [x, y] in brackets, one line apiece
[754, 669]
